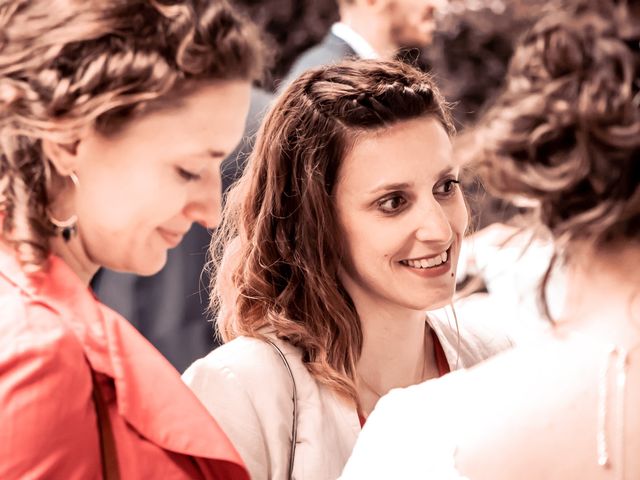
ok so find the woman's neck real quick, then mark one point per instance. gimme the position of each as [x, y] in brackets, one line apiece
[396, 352]
[603, 294]
[74, 255]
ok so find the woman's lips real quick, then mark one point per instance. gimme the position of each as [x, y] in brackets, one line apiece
[172, 238]
[434, 271]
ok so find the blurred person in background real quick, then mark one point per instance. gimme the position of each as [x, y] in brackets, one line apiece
[339, 238]
[114, 118]
[292, 26]
[372, 29]
[565, 134]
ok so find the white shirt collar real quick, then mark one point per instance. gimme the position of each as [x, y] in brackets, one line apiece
[362, 48]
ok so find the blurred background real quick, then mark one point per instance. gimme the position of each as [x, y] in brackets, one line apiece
[469, 53]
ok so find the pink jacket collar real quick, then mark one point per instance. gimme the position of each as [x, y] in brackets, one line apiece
[150, 394]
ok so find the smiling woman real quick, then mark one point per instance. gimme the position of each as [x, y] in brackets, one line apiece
[114, 118]
[343, 232]
[166, 177]
[403, 236]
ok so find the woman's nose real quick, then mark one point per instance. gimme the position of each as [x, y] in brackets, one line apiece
[205, 207]
[434, 225]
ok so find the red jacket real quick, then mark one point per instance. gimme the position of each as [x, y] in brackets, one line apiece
[53, 332]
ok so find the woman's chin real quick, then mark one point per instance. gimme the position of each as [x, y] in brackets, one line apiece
[144, 267]
[437, 304]
[152, 267]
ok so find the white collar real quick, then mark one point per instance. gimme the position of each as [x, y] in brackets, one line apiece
[356, 41]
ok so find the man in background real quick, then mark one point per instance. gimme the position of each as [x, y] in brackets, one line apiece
[372, 29]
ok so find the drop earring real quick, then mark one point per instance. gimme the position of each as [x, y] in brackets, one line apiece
[68, 228]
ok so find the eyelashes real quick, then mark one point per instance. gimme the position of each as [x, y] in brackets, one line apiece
[391, 203]
[396, 202]
[187, 175]
[451, 185]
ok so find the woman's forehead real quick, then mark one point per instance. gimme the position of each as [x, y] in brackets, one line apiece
[406, 153]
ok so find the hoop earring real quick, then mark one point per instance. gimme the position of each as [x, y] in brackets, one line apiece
[68, 228]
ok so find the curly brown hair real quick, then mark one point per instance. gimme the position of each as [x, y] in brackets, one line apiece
[566, 131]
[290, 250]
[97, 63]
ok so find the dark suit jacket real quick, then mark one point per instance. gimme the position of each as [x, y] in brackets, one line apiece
[170, 307]
[331, 50]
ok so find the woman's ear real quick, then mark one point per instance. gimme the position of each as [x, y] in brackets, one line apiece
[62, 156]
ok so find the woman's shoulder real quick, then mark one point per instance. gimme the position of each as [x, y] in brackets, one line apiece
[29, 328]
[249, 366]
[248, 357]
[42, 313]
[45, 389]
[425, 421]
[466, 341]
[505, 404]
[480, 398]
[246, 387]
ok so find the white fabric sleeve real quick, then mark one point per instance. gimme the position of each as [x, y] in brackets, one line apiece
[224, 396]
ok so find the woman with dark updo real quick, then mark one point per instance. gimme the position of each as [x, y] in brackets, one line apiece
[114, 118]
[566, 135]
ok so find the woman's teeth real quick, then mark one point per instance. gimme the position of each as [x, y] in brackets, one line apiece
[427, 262]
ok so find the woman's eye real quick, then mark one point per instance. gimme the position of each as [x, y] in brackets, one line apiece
[447, 187]
[391, 204]
[187, 175]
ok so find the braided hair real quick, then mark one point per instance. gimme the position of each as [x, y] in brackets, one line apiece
[70, 64]
[566, 131]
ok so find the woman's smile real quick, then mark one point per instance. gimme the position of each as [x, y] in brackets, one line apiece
[402, 210]
[429, 265]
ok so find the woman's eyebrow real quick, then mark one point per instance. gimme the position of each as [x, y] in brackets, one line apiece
[216, 153]
[446, 171]
[385, 187]
[391, 186]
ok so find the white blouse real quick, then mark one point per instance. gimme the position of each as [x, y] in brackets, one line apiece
[246, 387]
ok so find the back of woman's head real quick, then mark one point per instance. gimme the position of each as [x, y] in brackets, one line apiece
[67, 65]
[566, 132]
[287, 273]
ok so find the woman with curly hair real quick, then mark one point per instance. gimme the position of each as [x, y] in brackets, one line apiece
[344, 230]
[566, 135]
[114, 118]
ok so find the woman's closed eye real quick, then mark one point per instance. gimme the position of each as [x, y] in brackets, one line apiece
[391, 204]
[188, 175]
